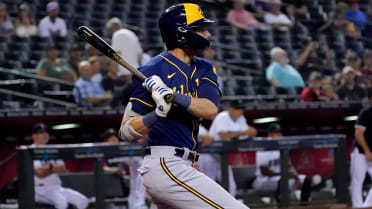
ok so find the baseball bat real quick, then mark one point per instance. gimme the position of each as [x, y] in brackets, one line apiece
[97, 42]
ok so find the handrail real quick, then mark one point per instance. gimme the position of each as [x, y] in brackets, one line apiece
[34, 76]
[38, 98]
[10, 157]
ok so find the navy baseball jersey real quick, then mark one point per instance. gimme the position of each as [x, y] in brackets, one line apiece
[179, 128]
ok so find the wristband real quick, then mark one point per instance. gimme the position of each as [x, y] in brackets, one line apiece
[182, 100]
[149, 119]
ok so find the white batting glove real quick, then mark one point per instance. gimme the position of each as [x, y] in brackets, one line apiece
[162, 107]
[153, 82]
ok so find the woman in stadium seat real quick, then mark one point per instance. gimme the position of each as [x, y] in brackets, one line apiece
[25, 25]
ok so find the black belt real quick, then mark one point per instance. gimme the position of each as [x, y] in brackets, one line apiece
[179, 152]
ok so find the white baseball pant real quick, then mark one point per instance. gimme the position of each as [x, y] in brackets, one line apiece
[174, 183]
[60, 197]
[359, 166]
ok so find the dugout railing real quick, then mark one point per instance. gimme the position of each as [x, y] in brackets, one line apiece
[100, 151]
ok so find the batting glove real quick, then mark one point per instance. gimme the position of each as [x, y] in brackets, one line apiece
[153, 82]
[158, 95]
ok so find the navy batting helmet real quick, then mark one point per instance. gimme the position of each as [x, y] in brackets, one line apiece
[177, 27]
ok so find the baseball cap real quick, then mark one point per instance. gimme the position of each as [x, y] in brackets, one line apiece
[52, 6]
[347, 70]
[109, 133]
[237, 104]
[39, 128]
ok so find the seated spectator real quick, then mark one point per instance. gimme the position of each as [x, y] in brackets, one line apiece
[357, 17]
[352, 60]
[329, 90]
[90, 51]
[313, 91]
[314, 57]
[6, 25]
[48, 185]
[25, 25]
[268, 171]
[280, 73]
[74, 57]
[52, 66]
[367, 63]
[113, 83]
[239, 17]
[350, 91]
[146, 57]
[275, 17]
[52, 25]
[96, 69]
[88, 93]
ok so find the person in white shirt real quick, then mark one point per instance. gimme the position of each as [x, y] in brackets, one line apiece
[227, 125]
[275, 17]
[268, 171]
[52, 25]
[127, 44]
[48, 185]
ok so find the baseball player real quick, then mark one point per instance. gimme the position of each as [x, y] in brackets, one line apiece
[268, 171]
[137, 192]
[361, 158]
[48, 185]
[172, 128]
[227, 125]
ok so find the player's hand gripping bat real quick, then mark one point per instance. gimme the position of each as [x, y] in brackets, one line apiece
[97, 42]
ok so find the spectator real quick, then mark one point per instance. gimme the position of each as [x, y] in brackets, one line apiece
[117, 86]
[88, 93]
[367, 63]
[350, 91]
[6, 25]
[126, 43]
[275, 17]
[96, 69]
[25, 25]
[74, 57]
[280, 73]
[48, 185]
[357, 17]
[228, 125]
[313, 91]
[314, 57]
[137, 192]
[352, 60]
[329, 90]
[52, 66]
[268, 171]
[90, 51]
[240, 17]
[52, 25]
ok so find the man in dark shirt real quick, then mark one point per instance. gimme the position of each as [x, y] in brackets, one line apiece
[350, 91]
[361, 158]
[117, 86]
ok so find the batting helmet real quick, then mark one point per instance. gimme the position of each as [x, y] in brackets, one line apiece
[177, 26]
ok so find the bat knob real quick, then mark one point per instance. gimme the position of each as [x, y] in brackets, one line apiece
[168, 98]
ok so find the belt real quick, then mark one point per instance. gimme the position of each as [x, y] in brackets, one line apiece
[179, 152]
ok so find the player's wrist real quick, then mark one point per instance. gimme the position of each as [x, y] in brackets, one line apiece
[150, 119]
[181, 100]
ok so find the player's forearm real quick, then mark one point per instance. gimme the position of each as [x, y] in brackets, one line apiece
[59, 168]
[202, 107]
[43, 171]
[359, 135]
[137, 124]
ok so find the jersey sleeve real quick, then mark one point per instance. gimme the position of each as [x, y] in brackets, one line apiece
[140, 98]
[362, 120]
[208, 87]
